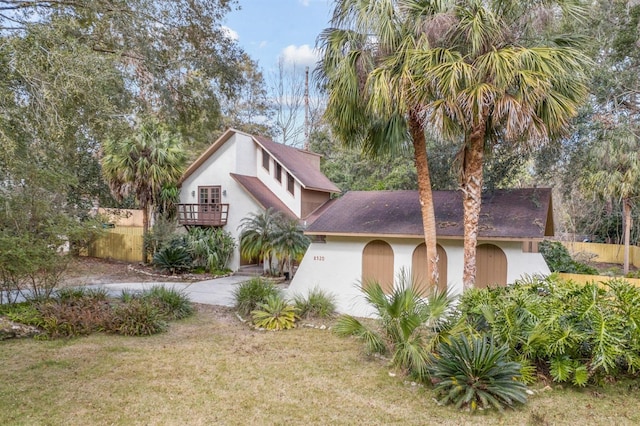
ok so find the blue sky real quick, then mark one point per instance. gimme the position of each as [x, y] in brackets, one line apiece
[269, 29]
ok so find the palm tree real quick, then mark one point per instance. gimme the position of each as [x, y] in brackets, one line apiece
[408, 327]
[483, 75]
[142, 164]
[365, 38]
[257, 236]
[289, 242]
[617, 175]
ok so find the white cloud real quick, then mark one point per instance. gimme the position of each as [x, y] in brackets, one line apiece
[304, 2]
[263, 43]
[231, 34]
[299, 56]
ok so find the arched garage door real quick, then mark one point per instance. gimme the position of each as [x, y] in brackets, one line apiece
[419, 267]
[491, 266]
[377, 264]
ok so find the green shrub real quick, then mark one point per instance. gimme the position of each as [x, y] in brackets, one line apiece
[275, 314]
[250, 293]
[172, 304]
[317, 304]
[473, 373]
[81, 295]
[173, 259]
[23, 313]
[583, 333]
[210, 248]
[138, 317]
[559, 260]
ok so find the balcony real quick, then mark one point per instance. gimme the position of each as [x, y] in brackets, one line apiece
[203, 214]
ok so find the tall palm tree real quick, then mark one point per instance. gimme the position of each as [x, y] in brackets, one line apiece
[484, 75]
[617, 175]
[142, 165]
[369, 38]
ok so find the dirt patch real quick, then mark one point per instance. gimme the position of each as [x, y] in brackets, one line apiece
[90, 270]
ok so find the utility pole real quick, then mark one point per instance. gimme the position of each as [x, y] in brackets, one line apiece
[306, 108]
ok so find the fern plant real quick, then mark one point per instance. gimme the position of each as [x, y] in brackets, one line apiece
[275, 314]
[472, 372]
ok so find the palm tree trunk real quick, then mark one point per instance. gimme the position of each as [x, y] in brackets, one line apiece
[472, 201]
[626, 207]
[145, 230]
[425, 195]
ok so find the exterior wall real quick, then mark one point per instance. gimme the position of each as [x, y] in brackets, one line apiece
[231, 157]
[336, 267]
[311, 200]
[293, 202]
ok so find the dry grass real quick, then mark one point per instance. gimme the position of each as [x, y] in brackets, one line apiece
[211, 369]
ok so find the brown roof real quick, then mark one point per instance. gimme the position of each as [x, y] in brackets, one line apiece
[505, 214]
[298, 163]
[261, 194]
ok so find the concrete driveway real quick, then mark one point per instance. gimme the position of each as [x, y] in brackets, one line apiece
[218, 291]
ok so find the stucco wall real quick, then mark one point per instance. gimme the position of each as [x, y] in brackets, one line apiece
[227, 160]
[336, 267]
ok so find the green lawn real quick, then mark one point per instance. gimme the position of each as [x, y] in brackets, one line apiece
[211, 369]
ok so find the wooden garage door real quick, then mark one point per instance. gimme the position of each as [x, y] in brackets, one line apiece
[491, 266]
[377, 264]
[419, 267]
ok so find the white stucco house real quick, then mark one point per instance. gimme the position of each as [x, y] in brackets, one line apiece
[241, 174]
[377, 234]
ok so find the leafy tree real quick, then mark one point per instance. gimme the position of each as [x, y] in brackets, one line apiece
[142, 165]
[364, 68]
[491, 73]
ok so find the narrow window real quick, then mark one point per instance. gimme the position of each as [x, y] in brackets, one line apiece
[265, 159]
[290, 183]
[278, 172]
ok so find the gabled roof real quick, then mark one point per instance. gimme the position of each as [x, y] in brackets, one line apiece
[295, 161]
[298, 163]
[209, 152]
[261, 194]
[506, 214]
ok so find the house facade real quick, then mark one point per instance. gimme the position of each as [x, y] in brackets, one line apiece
[241, 174]
[378, 234]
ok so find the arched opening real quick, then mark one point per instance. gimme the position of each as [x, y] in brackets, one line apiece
[377, 264]
[419, 268]
[491, 266]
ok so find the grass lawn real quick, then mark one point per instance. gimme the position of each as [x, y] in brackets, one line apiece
[211, 369]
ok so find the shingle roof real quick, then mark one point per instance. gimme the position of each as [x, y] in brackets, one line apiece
[505, 214]
[261, 194]
[298, 163]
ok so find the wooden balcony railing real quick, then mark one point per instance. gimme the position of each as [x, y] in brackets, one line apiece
[203, 214]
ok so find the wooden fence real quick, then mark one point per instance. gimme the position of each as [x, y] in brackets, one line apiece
[120, 243]
[606, 253]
